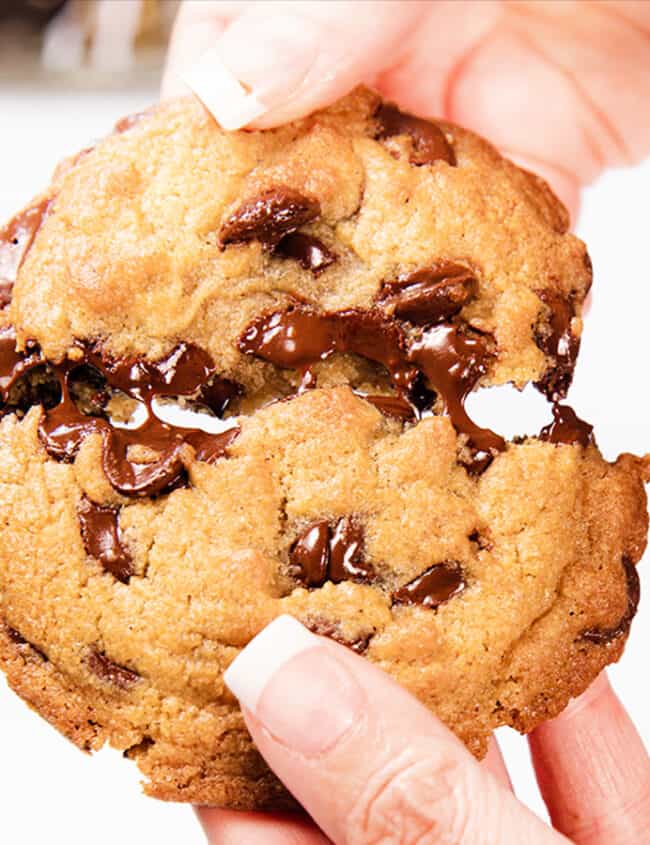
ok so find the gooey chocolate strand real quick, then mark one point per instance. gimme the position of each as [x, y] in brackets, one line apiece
[182, 373]
[451, 358]
[15, 240]
[64, 427]
[557, 341]
[567, 427]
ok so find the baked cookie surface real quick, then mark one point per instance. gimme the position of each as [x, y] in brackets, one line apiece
[322, 298]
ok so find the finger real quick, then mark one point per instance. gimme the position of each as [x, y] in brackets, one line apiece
[229, 827]
[198, 25]
[367, 761]
[593, 771]
[494, 763]
[278, 61]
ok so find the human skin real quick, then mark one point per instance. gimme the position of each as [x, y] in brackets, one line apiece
[562, 88]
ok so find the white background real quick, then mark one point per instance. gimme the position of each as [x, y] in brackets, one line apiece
[53, 793]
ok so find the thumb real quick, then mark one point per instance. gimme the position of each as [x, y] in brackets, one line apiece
[273, 62]
[365, 759]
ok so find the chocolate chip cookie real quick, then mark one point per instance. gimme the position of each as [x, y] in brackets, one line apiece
[233, 372]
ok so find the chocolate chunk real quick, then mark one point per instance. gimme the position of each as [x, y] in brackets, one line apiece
[567, 427]
[347, 559]
[431, 294]
[434, 587]
[219, 393]
[607, 635]
[269, 217]
[454, 359]
[322, 552]
[15, 240]
[392, 406]
[429, 141]
[101, 535]
[309, 555]
[111, 672]
[325, 628]
[556, 340]
[481, 540]
[307, 250]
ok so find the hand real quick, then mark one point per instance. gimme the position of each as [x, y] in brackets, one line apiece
[560, 87]
[371, 765]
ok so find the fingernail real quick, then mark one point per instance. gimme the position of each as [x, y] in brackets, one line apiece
[304, 697]
[259, 63]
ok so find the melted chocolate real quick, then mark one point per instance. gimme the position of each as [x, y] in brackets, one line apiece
[453, 361]
[100, 531]
[336, 553]
[325, 628]
[347, 559]
[64, 428]
[15, 240]
[607, 635]
[112, 673]
[392, 406]
[269, 217]
[429, 141]
[307, 250]
[431, 294]
[300, 336]
[567, 427]
[434, 587]
[13, 364]
[451, 358]
[557, 341]
[309, 555]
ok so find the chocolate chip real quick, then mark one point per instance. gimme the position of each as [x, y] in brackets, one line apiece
[101, 535]
[429, 141]
[607, 635]
[269, 217]
[111, 672]
[453, 358]
[324, 552]
[431, 294]
[219, 394]
[556, 340]
[309, 555]
[567, 427]
[307, 250]
[347, 559]
[325, 628]
[434, 587]
[392, 406]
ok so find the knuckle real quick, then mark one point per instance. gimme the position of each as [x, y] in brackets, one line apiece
[411, 800]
